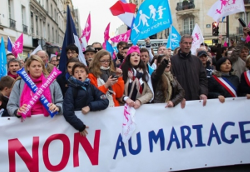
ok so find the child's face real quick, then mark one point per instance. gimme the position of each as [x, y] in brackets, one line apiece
[80, 74]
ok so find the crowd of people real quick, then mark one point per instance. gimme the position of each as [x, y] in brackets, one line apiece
[136, 76]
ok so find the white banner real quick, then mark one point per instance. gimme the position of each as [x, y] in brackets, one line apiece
[197, 39]
[165, 139]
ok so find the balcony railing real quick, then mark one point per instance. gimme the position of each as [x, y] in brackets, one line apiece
[25, 29]
[185, 5]
[12, 24]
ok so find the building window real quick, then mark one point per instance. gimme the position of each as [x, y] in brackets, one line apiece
[188, 25]
[56, 37]
[51, 10]
[32, 22]
[52, 34]
[246, 19]
[37, 25]
[48, 33]
[47, 4]
[25, 27]
[10, 4]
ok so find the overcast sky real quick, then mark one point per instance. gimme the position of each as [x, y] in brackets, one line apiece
[100, 17]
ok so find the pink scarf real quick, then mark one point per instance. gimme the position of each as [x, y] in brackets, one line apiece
[26, 95]
[13, 76]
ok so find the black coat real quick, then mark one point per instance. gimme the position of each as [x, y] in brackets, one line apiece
[63, 83]
[178, 92]
[76, 98]
[191, 74]
[4, 105]
[216, 89]
[244, 87]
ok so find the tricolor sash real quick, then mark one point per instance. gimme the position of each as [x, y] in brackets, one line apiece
[247, 77]
[227, 85]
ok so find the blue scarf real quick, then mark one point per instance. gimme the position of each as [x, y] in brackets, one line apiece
[83, 84]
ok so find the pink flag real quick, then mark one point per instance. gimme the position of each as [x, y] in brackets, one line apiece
[87, 30]
[18, 46]
[225, 44]
[106, 33]
[121, 37]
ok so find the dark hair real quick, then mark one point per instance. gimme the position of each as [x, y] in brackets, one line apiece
[155, 57]
[126, 65]
[74, 59]
[58, 55]
[159, 58]
[220, 62]
[6, 81]
[121, 43]
[142, 50]
[80, 65]
[14, 61]
[72, 47]
[1, 97]
[124, 48]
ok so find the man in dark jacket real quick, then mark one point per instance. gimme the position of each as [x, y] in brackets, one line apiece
[190, 72]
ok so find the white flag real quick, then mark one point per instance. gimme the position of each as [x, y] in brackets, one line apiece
[38, 48]
[84, 43]
[225, 8]
[197, 39]
[81, 56]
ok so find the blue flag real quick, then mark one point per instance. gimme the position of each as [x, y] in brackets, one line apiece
[152, 17]
[173, 39]
[3, 60]
[68, 39]
[9, 46]
[109, 48]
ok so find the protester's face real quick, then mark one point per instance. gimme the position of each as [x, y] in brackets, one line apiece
[70, 66]
[10, 57]
[43, 56]
[57, 60]
[80, 74]
[35, 69]
[203, 59]
[53, 61]
[229, 53]
[162, 50]
[226, 66]
[89, 56]
[124, 53]
[105, 61]
[14, 67]
[186, 45]
[120, 48]
[135, 59]
[244, 54]
[97, 47]
[144, 57]
[72, 54]
[168, 68]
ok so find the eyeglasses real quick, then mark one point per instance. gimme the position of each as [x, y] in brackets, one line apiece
[105, 61]
[98, 49]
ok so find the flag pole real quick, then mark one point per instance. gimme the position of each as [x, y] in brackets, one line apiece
[171, 28]
[227, 29]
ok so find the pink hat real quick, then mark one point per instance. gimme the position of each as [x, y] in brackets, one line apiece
[132, 49]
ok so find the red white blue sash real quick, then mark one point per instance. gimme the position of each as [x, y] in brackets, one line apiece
[247, 77]
[227, 85]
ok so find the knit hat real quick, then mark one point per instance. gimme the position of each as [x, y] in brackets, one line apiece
[220, 61]
[132, 49]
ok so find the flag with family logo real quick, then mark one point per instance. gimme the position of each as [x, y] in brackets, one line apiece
[17, 47]
[152, 17]
[173, 39]
[223, 8]
[121, 37]
[3, 60]
[87, 30]
[197, 39]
